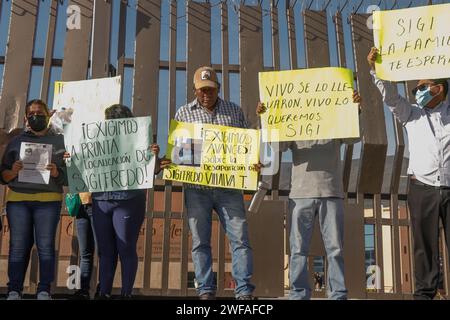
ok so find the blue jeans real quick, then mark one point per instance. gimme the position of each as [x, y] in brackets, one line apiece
[229, 205]
[117, 224]
[86, 243]
[331, 221]
[31, 221]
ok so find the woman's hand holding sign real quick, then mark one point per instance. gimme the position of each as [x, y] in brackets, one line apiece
[161, 163]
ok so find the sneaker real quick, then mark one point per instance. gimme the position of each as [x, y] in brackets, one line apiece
[246, 297]
[44, 295]
[14, 295]
[126, 297]
[81, 295]
[207, 296]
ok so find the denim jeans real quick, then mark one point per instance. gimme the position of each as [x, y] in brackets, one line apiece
[229, 206]
[29, 222]
[331, 221]
[86, 243]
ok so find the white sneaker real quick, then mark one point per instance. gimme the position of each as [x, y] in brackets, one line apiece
[14, 295]
[44, 295]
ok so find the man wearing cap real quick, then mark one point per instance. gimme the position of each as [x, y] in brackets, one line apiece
[427, 124]
[207, 107]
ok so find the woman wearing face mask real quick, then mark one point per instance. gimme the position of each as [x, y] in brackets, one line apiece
[33, 209]
[427, 124]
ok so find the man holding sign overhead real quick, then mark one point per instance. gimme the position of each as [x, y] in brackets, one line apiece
[427, 124]
[313, 116]
[208, 108]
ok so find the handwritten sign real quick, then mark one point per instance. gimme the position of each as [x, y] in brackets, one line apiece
[308, 104]
[86, 100]
[413, 43]
[110, 155]
[212, 155]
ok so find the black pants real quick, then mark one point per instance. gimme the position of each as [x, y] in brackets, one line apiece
[426, 205]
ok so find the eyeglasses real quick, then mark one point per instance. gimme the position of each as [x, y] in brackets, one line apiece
[422, 87]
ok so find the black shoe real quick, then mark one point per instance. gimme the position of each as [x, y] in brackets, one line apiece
[246, 297]
[207, 296]
[81, 295]
[126, 297]
[103, 297]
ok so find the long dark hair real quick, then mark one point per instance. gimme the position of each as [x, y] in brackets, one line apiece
[117, 111]
[38, 102]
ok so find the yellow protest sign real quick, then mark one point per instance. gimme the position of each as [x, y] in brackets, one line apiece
[308, 104]
[413, 43]
[212, 155]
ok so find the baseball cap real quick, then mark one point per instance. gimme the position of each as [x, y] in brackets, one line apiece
[205, 77]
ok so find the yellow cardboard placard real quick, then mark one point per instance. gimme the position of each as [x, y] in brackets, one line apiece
[413, 43]
[308, 104]
[212, 155]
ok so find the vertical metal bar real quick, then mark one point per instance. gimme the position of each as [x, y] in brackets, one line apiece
[1, 8]
[276, 66]
[57, 260]
[146, 62]
[49, 51]
[292, 38]
[394, 188]
[373, 152]
[16, 77]
[348, 157]
[226, 96]
[275, 36]
[411, 256]
[340, 43]
[121, 42]
[225, 53]
[398, 157]
[379, 237]
[251, 59]
[198, 40]
[396, 268]
[172, 108]
[76, 49]
[173, 59]
[184, 251]
[17, 67]
[198, 19]
[354, 254]
[409, 85]
[316, 39]
[101, 29]
[168, 184]
[100, 39]
[166, 239]
[148, 241]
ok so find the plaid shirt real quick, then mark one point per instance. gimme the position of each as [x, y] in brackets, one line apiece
[225, 113]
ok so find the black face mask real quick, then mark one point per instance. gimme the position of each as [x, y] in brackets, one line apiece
[37, 122]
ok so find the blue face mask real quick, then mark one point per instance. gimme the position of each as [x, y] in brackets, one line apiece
[423, 97]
